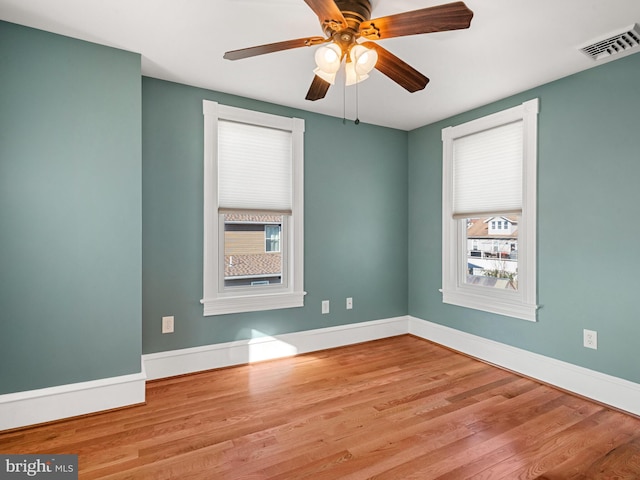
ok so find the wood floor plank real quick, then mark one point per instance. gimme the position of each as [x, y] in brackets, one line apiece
[397, 408]
[436, 457]
[555, 450]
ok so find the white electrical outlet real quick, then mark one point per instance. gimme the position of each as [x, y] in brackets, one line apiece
[325, 306]
[590, 339]
[167, 324]
[349, 303]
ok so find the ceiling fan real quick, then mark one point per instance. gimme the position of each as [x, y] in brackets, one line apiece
[350, 35]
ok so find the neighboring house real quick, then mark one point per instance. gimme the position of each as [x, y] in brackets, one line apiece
[492, 251]
[492, 237]
[252, 254]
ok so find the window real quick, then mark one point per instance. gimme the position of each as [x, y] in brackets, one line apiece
[272, 238]
[253, 210]
[247, 258]
[489, 172]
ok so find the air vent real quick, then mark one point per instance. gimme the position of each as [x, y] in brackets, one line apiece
[623, 42]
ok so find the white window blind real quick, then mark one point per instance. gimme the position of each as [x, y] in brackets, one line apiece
[487, 172]
[254, 168]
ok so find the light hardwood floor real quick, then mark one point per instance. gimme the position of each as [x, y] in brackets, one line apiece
[398, 408]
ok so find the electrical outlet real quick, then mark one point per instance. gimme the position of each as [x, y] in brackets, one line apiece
[349, 303]
[590, 339]
[167, 324]
[325, 306]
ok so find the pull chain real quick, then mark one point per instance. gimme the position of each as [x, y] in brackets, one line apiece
[357, 110]
[344, 103]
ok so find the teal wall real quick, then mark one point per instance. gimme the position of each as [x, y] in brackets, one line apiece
[70, 210]
[98, 241]
[588, 229]
[355, 222]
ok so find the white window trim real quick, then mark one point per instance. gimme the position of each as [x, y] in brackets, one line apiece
[521, 303]
[216, 300]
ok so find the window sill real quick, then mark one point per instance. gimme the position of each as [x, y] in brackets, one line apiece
[500, 306]
[253, 303]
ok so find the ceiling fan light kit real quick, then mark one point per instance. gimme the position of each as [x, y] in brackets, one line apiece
[360, 61]
[350, 35]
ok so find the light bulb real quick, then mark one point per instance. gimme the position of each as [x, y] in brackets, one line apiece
[363, 58]
[328, 58]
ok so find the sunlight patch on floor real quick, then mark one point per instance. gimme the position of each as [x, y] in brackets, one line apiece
[265, 347]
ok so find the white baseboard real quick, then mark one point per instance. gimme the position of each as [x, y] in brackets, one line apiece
[616, 392]
[189, 360]
[21, 409]
[48, 404]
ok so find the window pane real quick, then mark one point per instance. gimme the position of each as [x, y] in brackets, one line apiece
[252, 255]
[492, 257]
[272, 238]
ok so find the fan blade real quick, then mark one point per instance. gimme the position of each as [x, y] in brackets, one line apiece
[451, 16]
[328, 13]
[397, 70]
[273, 47]
[318, 89]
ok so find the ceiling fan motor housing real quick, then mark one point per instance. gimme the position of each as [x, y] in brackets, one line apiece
[355, 12]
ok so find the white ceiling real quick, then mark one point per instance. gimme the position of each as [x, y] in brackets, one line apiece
[511, 46]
